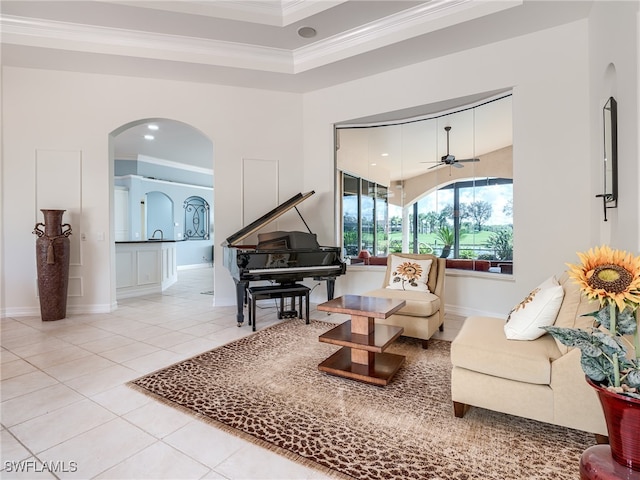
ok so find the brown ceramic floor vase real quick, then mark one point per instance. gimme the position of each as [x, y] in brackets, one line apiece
[622, 415]
[52, 258]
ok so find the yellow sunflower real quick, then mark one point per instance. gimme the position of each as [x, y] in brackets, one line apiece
[608, 276]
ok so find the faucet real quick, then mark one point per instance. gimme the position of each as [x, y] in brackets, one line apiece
[153, 237]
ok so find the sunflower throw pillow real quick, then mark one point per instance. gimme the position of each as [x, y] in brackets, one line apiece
[409, 274]
[539, 309]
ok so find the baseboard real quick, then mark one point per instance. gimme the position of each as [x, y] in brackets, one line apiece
[471, 312]
[195, 266]
[71, 310]
[21, 312]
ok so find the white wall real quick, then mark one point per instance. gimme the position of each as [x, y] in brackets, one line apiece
[558, 89]
[554, 206]
[614, 44]
[71, 111]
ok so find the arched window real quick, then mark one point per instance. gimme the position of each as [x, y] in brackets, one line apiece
[196, 219]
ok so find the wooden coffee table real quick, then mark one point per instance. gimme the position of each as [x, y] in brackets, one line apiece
[362, 356]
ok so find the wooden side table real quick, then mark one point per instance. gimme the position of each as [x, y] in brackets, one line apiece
[597, 463]
[362, 356]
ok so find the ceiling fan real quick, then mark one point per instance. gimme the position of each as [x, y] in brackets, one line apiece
[449, 159]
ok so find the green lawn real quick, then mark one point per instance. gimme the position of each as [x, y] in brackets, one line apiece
[475, 242]
[478, 239]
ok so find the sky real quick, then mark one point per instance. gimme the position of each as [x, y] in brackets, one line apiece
[497, 195]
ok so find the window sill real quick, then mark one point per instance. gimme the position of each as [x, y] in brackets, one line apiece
[359, 267]
[455, 272]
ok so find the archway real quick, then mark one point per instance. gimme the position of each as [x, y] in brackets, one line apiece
[152, 159]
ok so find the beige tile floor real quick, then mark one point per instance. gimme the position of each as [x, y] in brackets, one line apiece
[66, 411]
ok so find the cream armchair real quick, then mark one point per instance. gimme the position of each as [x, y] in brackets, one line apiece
[423, 314]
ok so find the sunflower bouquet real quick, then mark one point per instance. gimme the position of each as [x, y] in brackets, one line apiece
[610, 350]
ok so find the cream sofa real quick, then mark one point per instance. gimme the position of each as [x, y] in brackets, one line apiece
[423, 314]
[539, 379]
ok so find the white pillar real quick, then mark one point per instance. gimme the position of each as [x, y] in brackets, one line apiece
[405, 227]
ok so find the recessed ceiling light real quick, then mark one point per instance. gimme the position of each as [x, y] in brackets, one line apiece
[307, 32]
[373, 164]
[153, 127]
[384, 155]
[149, 137]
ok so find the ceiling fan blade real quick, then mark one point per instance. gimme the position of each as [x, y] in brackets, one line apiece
[449, 159]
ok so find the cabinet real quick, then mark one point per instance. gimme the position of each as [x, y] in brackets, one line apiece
[145, 267]
[121, 213]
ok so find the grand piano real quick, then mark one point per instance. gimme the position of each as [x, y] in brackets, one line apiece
[282, 257]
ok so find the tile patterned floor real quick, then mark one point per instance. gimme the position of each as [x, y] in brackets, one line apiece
[67, 413]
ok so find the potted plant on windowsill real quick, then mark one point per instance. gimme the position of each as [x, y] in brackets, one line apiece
[447, 237]
[610, 350]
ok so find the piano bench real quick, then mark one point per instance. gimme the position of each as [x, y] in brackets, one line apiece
[282, 292]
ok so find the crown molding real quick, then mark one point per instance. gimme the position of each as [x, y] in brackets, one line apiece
[171, 164]
[114, 41]
[419, 20]
[404, 25]
[277, 13]
[296, 10]
[163, 163]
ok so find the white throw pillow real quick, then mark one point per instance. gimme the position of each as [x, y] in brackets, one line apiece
[409, 274]
[539, 309]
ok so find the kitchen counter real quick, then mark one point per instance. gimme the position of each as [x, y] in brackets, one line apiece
[144, 267]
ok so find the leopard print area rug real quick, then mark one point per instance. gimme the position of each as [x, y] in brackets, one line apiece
[267, 388]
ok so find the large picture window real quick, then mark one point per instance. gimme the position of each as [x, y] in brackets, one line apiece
[439, 184]
[364, 216]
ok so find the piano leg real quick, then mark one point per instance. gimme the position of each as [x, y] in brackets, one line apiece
[331, 284]
[241, 291]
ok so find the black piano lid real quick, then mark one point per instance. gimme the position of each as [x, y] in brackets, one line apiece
[266, 218]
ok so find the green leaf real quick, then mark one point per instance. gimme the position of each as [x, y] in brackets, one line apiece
[595, 369]
[571, 337]
[608, 345]
[625, 321]
[627, 324]
[633, 378]
[590, 349]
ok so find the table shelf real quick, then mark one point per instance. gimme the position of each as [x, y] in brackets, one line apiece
[378, 372]
[377, 341]
[363, 342]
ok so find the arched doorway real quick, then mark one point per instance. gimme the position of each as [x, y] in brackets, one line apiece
[155, 165]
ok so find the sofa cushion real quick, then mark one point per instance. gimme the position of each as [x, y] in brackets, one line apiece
[409, 274]
[419, 304]
[481, 346]
[538, 309]
[574, 306]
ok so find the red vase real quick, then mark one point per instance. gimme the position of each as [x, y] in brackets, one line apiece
[622, 414]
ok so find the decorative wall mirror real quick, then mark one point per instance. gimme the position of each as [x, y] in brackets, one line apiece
[610, 160]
